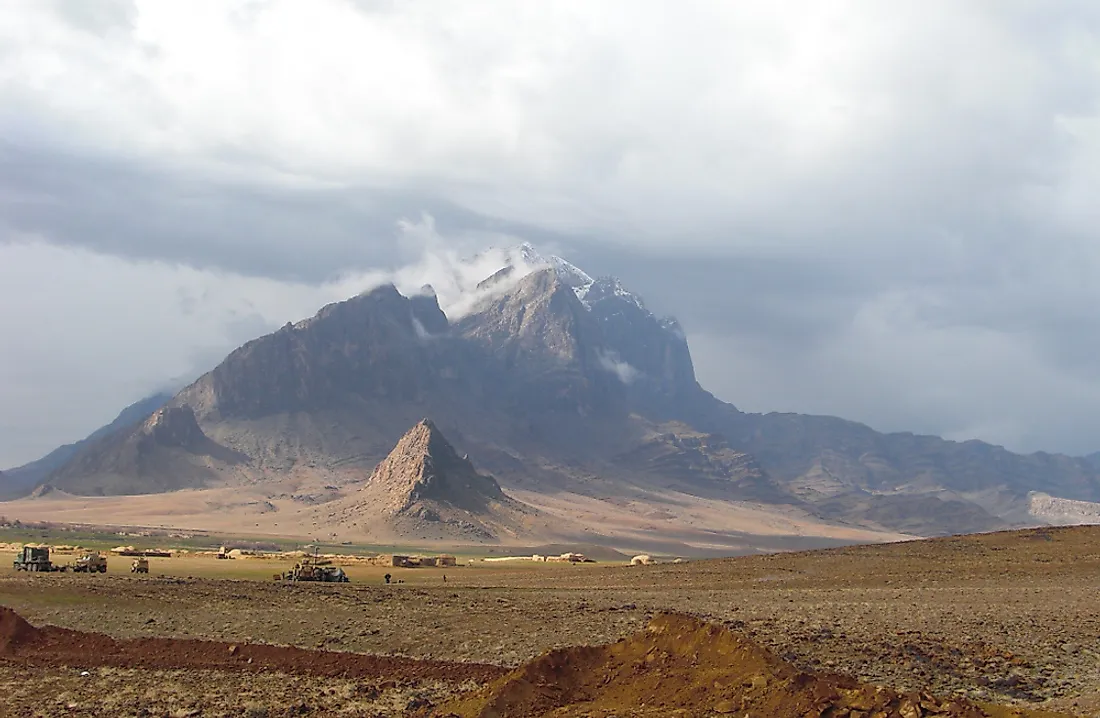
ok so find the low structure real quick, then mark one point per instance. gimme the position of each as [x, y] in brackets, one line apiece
[401, 561]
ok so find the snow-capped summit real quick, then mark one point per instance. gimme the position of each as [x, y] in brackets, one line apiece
[521, 259]
[608, 287]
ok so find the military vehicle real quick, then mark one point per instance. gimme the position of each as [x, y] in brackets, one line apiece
[311, 570]
[91, 562]
[140, 565]
[36, 558]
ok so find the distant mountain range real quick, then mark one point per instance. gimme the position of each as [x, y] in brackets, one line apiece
[560, 385]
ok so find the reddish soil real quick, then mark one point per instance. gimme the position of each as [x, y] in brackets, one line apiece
[22, 643]
[682, 666]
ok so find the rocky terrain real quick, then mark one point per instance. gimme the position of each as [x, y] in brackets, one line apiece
[1064, 511]
[1006, 618]
[557, 384]
[424, 488]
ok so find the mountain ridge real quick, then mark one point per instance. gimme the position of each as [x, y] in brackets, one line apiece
[23, 479]
[559, 382]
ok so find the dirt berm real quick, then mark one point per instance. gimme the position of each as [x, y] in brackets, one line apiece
[22, 643]
[681, 666]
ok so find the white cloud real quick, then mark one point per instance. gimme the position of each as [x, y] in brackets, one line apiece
[603, 117]
[613, 363]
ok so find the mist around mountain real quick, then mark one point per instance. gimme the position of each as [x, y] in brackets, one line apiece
[557, 383]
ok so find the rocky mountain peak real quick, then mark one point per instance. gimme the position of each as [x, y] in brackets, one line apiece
[424, 467]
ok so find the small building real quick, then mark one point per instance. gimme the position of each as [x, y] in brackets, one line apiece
[445, 560]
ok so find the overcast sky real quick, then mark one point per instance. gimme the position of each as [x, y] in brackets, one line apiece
[885, 211]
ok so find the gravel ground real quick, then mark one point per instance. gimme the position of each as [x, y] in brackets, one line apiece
[1009, 617]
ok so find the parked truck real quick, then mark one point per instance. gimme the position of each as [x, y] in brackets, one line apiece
[140, 565]
[35, 558]
[91, 562]
[308, 570]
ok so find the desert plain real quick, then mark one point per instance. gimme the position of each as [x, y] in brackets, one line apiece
[1008, 618]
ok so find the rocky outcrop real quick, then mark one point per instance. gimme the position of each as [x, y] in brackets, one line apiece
[1053, 510]
[424, 469]
[424, 490]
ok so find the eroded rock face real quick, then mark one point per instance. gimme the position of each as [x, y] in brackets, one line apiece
[545, 349]
[424, 489]
[174, 426]
[425, 468]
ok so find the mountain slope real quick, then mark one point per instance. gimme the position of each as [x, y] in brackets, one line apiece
[166, 452]
[820, 457]
[21, 480]
[423, 490]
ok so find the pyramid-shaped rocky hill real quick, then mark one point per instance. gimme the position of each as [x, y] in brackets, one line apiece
[425, 490]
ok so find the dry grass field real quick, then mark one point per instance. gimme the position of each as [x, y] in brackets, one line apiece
[1011, 618]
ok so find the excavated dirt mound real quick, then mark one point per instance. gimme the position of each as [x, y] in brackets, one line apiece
[14, 631]
[50, 646]
[681, 666]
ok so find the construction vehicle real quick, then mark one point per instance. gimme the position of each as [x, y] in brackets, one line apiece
[140, 565]
[91, 562]
[36, 558]
[312, 570]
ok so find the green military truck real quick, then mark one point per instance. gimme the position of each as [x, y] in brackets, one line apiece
[37, 559]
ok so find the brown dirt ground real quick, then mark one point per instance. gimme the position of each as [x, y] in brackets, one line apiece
[681, 666]
[1008, 617]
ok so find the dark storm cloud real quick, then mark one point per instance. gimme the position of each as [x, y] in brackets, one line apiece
[881, 211]
[142, 211]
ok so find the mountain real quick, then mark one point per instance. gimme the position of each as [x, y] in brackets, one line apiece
[1094, 459]
[424, 488]
[820, 457]
[167, 451]
[579, 400]
[21, 480]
